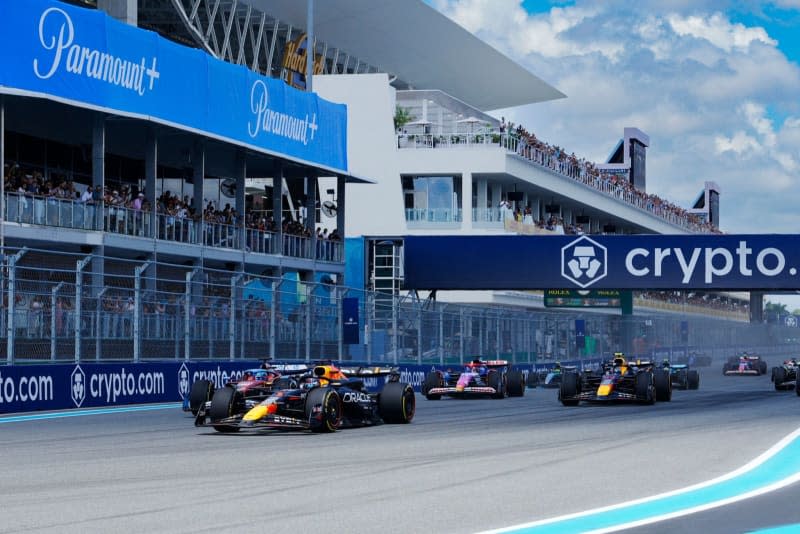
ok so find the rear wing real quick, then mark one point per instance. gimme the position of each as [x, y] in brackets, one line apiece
[366, 372]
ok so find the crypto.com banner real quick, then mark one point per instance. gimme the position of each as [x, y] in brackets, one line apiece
[85, 58]
[734, 262]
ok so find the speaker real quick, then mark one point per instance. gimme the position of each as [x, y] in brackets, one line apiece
[552, 208]
[515, 196]
[582, 219]
[609, 229]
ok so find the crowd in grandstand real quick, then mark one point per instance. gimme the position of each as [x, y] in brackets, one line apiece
[124, 200]
[556, 158]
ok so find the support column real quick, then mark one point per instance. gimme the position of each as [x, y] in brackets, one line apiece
[466, 201]
[497, 196]
[311, 213]
[198, 181]
[150, 172]
[2, 175]
[341, 187]
[757, 307]
[99, 165]
[240, 176]
[277, 210]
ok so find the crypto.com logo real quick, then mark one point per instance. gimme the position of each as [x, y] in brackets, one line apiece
[78, 383]
[183, 381]
[583, 262]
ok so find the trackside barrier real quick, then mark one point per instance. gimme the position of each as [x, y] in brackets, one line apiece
[28, 388]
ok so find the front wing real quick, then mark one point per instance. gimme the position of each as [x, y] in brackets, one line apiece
[737, 372]
[465, 392]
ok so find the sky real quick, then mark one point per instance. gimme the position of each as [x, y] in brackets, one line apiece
[715, 84]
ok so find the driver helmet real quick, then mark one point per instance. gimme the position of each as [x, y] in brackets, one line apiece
[247, 375]
[665, 363]
[619, 361]
[557, 366]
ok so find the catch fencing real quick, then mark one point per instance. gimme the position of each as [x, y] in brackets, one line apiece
[60, 307]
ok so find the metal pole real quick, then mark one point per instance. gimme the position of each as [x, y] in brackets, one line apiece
[497, 337]
[54, 291]
[419, 331]
[369, 325]
[187, 304]
[137, 304]
[340, 293]
[395, 303]
[441, 335]
[2, 175]
[12, 277]
[309, 46]
[461, 327]
[232, 318]
[309, 301]
[98, 330]
[273, 309]
[78, 294]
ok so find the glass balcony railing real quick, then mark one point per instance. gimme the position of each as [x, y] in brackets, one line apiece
[66, 213]
[433, 215]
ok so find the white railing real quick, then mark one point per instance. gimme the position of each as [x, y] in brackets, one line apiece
[555, 161]
[433, 215]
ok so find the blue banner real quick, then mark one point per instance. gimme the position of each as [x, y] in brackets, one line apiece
[734, 262]
[85, 58]
[350, 322]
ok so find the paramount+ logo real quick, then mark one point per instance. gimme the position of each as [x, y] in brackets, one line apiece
[585, 261]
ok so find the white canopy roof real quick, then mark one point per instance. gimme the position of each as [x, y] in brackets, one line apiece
[419, 45]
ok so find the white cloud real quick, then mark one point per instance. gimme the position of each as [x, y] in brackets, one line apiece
[717, 30]
[718, 98]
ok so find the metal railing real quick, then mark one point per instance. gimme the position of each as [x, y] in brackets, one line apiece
[557, 162]
[67, 213]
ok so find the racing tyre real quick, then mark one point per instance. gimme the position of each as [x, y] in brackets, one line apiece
[397, 403]
[496, 380]
[324, 409]
[694, 379]
[201, 392]
[762, 367]
[570, 387]
[683, 379]
[432, 380]
[724, 368]
[779, 377]
[533, 379]
[284, 383]
[645, 392]
[515, 384]
[663, 384]
[225, 403]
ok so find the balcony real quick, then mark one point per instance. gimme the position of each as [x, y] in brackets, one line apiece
[558, 163]
[65, 213]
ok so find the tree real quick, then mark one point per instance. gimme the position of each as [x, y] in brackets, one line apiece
[401, 117]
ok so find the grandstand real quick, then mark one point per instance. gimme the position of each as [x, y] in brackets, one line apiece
[170, 215]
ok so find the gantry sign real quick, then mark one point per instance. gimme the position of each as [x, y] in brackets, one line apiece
[718, 262]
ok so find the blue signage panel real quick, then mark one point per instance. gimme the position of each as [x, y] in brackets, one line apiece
[734, 262]
[85, 58]
[350, 322]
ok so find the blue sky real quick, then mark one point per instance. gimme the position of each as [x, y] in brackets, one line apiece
[715, 84]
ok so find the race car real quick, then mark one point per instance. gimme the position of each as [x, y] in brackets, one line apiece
[785, 376]
[493, 378]
[325, 399]
[551, 378]
[254, 383]
[681, 376]
[744, 364]
[620, 380]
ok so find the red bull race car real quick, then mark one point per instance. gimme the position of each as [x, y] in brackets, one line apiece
[619, 380]
[785, 376]
[324, 399]
[254, 383]
[744, 364]
[493, 378]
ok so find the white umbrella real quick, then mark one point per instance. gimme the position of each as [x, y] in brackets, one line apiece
[472, 121]
[421, 122]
